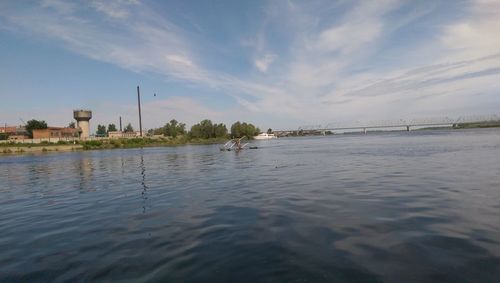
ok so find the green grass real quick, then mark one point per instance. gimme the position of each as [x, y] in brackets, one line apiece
[488, 124]
[44, 144]
[122, 143]
[147, 142]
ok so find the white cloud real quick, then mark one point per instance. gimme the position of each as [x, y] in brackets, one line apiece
[263, 63]
[179, 59]
[476, 35]
[360, 27]
[63, 7]
[447, 79]
[118, 9]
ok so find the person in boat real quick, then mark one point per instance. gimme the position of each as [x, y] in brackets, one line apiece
[237, 143]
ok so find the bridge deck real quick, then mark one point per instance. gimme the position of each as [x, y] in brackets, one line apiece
[369, 127]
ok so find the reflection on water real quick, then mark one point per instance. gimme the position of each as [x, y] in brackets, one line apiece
[406, 207]
[144, 192]
[84, 170]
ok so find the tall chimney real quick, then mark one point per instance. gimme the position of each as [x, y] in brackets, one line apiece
[139, 103]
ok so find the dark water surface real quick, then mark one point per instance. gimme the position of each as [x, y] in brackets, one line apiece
[403, 207]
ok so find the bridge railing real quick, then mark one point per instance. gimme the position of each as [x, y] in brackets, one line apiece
[398, 123]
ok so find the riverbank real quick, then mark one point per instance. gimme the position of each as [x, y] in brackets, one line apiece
[41, 148]
[465, 126]
[14, 148]
[148, 142]
[488, 124]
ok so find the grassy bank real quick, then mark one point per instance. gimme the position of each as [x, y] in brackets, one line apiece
[477, 125]
[8, 148]
[32, 149]
[147, 142]
[488, 124]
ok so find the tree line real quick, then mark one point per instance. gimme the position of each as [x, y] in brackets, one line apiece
[102, 131]
[205, 129]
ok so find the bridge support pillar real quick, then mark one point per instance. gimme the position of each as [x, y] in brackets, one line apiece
[364, 130]
[407, 128]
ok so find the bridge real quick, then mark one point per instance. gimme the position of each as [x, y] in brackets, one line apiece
[392, 124]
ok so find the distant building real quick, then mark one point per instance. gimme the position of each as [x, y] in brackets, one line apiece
[115, 134]
[8, 130]
[14, 133]
[55, 132]
[119, 134]
[18, 137]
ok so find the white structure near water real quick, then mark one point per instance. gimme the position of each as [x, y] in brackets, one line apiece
[264, 136]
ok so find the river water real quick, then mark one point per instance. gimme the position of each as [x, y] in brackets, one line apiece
[422, 206]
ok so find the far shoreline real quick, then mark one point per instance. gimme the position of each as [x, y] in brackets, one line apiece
[46, 147]
[9, 149]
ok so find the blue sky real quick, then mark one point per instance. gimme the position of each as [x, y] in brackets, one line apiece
[278, 64]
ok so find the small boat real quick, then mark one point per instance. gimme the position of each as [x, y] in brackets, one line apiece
[235, 144]
[265, 136]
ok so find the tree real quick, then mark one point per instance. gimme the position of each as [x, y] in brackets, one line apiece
[128, 128]
[220, 130]
[195, 131]
[72, 125]
[181, 129]
[171, 129]
[269, 131]
[174, 128]
[239, 130]
[206, 129]
[236, 131]
[112, 128]
[158, 131]
[101, 130]
[34, 125]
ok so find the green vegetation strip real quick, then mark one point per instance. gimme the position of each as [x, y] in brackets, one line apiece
[106, 144]
[41, 148]
[147, 142]
[489, 124]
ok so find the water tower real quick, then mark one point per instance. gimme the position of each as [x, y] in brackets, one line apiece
[82, 118]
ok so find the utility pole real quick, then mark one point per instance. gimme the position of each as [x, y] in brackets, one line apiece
[120, 123]
[139, 103]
